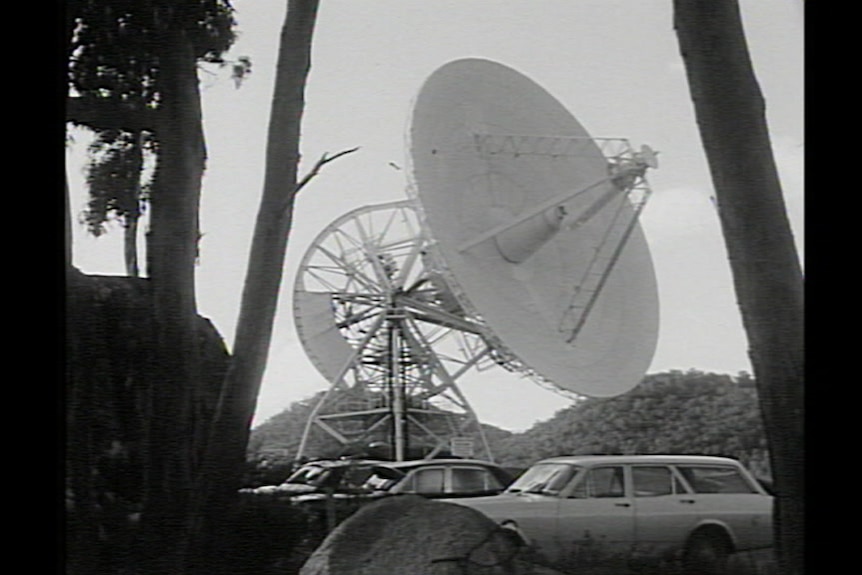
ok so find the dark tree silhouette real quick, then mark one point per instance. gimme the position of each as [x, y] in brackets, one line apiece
[226, 447]
[767, 276]
[132, 70]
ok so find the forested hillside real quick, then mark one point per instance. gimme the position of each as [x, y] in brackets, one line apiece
[669, 412]
[274, 444]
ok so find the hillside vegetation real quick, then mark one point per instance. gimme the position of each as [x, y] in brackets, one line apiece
[669, 412]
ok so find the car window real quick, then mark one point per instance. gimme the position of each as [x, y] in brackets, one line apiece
[601, 482]
[429, 480]
[473, 480]
[546, 478]
[715, 479]
[356, 476]
[606, 482]
[652, 481]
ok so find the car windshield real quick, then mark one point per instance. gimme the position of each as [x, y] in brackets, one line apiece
[378, 483]
[544, 478]
[309, 475]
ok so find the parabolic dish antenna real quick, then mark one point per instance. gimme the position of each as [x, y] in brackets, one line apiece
[519, 246]
[535, 223]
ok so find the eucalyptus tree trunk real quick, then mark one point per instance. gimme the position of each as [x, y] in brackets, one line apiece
[767, 276]
[130, 244]
[133, 211]
[172, 249]
[67, 224]
[226, 447]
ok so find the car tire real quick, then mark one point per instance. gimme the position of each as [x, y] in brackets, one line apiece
[706, 554]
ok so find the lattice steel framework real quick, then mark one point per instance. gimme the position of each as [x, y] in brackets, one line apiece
[410, 340]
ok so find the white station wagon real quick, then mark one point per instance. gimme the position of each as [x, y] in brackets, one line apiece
[585, 509]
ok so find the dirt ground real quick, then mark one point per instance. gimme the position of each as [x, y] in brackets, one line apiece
[761, 562]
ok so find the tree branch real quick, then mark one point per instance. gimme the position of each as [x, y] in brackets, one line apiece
[319, 164]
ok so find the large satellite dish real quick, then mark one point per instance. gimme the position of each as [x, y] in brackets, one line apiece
[519, 246]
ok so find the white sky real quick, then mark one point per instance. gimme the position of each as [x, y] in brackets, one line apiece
[614, 64]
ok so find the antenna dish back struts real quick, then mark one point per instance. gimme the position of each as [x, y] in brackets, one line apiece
[519, 246]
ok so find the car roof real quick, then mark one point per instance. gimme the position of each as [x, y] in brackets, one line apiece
[596, 459]
[341, 462]
[430, 462]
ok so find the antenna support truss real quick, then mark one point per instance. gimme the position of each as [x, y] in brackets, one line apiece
[368, 287]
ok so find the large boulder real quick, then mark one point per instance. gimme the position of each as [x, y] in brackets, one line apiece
[407, 534]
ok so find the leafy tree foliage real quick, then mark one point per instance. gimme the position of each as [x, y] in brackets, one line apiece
[118, 187]
[114, 172]
[114, 45]
[114, 49]
[671, 412]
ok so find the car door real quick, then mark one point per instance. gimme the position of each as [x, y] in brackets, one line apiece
[595, 518]
[724, 494]
[532, 504]
[664, 510]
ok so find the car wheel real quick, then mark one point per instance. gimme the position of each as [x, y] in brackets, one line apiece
[706, 554]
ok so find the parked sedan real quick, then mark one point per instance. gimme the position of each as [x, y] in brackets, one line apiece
[436, 478]
[329, 491]
[366, 478]
[321, 476]
[574, 509]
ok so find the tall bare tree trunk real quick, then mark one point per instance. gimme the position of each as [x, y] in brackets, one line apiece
[130, 245]
[230, 430]
[133, 212]
[69, 34]
[67, 223]
[172, 249]
[767, 276]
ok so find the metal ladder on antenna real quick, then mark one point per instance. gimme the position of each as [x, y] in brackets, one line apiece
[599, 268]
